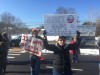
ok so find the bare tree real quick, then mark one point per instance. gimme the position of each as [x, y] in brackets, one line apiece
[12, 24]
[7, 18]
[88, 23]
[61, 10]
[71, 11]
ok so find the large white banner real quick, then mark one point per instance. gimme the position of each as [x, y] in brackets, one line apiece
[60, 24]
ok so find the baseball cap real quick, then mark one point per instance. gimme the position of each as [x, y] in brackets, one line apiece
[35, 29]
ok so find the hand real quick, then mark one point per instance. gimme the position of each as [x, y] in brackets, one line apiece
[44, 32]
[21, 44]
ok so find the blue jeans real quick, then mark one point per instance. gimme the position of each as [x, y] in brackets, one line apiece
[75, 54]
[57, 73]
[35, 65]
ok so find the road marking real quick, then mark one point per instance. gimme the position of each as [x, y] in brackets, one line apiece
[14, 54]
[89, 51]
[50, 67]
[17, 52]
[77, 69]
[10, 57]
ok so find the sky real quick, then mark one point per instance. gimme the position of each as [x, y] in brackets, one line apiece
[32, 11]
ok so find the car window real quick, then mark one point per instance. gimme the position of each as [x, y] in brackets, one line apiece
[17, 37]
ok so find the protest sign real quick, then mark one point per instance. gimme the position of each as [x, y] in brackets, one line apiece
[25, 41]
[60, 24]
[32, 44]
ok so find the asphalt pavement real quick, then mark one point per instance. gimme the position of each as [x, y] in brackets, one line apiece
[19, 64]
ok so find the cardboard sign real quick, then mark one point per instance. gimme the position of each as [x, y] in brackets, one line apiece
[36, 46]
[32, 44]
[26, 40]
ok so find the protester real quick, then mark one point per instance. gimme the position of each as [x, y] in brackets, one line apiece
[61, 63]
[77, 41]
[2, 54]
[5, 36]
[36, 48]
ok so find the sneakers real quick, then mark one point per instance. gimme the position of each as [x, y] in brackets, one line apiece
[75, 61]
[72, 60]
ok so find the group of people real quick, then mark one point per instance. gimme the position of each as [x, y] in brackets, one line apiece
[4, 47]
[61, 61]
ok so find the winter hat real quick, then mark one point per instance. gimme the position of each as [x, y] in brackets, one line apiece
[60, 37]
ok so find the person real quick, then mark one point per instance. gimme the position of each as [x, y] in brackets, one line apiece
[61, 63]
[77, 40]
[36, 47]
[5, 36]
[2, 54]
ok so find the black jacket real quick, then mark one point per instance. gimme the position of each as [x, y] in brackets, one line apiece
[62, 56]
[2, 45]
[78, 40]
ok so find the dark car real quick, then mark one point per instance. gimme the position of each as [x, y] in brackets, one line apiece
[15, 41]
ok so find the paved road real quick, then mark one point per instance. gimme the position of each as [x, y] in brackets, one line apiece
[19, 65]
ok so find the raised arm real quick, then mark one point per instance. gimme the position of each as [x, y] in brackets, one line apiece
[47, 46]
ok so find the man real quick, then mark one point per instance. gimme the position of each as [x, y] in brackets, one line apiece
[3, 54]
[61, 63]
[36, 47]
[5, 36]
[77, 41]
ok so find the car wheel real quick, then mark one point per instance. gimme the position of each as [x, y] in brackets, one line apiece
[13, 44]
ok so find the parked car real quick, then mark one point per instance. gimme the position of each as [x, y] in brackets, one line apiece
[15, 41]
